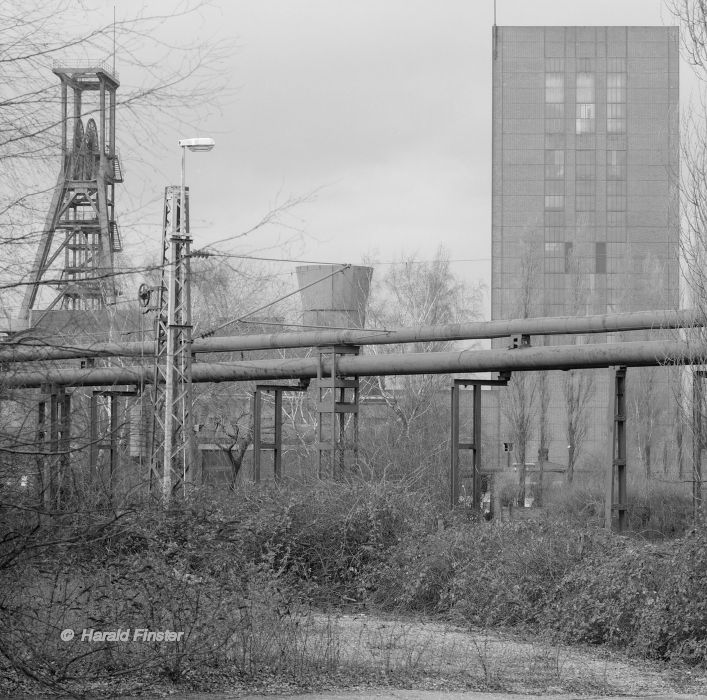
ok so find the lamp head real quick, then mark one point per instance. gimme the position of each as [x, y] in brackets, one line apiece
[197, 144]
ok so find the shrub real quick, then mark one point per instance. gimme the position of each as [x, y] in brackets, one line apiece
[601, 599]
[659, 509]
[486, 574]
[673, 621]
[330, 538]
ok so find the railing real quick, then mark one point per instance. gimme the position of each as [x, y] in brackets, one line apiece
[85, 66]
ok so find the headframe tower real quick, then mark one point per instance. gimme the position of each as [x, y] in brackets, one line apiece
[80, 233]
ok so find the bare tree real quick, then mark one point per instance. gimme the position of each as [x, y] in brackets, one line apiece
[224, 291]
[578, 390]
[160, 78]
[577, 385]
[412, 442]
[413, 293]
[544, 435]
[692, 182]
[519, 404]
[520, 410]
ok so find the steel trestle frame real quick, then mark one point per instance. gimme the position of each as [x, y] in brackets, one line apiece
[259, 445]
[616, 499]
[475, 445]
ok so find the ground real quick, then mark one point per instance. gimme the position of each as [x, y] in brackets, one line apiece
[368, 656]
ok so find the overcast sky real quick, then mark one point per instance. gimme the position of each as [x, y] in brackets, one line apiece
[380, 107]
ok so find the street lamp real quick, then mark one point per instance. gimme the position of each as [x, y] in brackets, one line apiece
[178, 432]
[197, 145]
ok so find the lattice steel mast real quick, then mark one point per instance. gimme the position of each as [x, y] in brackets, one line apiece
[171, 454]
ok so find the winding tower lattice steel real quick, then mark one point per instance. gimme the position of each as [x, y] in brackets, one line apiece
[80, 226]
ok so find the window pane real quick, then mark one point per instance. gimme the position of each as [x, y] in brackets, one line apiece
[554, 257]
[585, 164]
[616, 126]
[585, 111]
[616, 94]
[554, 87]
[615, 219]
[568, 257]
[614, 111]
[615, 165]
[554, 218]
[616, 187]
[585, 202]
[600, 258]
[585, 103]
[585, 87]
[554, 126]
[554, 233]
[555, 187]
[616, 203]
[616, 65]
[554, 164]
[585, 187]
[585, 126]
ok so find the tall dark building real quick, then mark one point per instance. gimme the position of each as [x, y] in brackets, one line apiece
[585, 189]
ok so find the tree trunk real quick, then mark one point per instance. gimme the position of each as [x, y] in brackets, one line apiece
[570, 463]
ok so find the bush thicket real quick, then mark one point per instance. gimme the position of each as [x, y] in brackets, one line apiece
[240, 576]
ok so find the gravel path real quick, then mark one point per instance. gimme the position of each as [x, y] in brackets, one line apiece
[493, 661]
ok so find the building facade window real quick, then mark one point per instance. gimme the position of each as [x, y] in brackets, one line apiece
[616, 225]
[615, 203]
[554, 164]
[616, 103]
[616, 65]
[600, 257]
[616, 118]
[554, 194]
[553, 234]
[615, 165]
[569, 257]
[616, 188]
[585, 164]
[555, 218]
[554, 201]
[585, 195]
[554, 257]
[616, 87]
[586, 104]
[554, 102]
[554, 88]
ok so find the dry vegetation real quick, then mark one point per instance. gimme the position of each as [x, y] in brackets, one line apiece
[358, 583]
